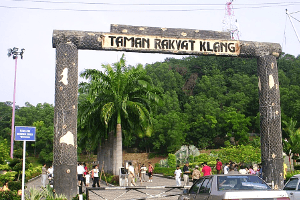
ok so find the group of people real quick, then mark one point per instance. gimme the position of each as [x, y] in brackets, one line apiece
[139, 172]
[205, 169]
[233, 168]
[47, 174]
[84, 176]
[229, 168]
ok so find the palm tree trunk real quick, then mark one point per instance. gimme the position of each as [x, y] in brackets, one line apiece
[118, 150]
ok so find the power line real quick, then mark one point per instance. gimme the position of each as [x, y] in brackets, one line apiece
[152, 10]
[149, 4]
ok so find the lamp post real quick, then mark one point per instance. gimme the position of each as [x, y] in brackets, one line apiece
[14, 53]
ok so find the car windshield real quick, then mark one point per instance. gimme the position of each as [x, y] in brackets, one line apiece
[243, 182]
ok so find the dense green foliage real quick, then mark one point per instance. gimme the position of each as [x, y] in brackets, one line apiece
[209, 102]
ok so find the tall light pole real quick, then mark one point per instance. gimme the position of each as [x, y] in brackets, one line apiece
[14, 53]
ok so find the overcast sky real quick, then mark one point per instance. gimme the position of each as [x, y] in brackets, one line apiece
[29, 24]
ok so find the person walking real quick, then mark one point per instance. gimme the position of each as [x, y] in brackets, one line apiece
[143, 173]
[131, 175]
[177, 174]
[206, 169]
[186, 173]
[150, 171]
[251, 170]
[226, 168]
[232, 169]
[219, 166]
[44, 175]
[80, 171]
[95, 176]
[87, 179]
[196, 174]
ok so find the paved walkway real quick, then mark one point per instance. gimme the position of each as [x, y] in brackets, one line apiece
[158, 181]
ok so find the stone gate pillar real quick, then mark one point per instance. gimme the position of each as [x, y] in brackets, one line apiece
[270, 121]
[65, 120]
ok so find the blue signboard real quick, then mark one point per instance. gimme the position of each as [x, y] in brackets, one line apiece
[25, 133]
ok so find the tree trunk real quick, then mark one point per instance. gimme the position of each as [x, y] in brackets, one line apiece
[118, 150]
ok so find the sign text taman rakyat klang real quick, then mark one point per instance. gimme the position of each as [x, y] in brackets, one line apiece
[157, 43]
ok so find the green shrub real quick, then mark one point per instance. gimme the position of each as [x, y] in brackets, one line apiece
[9, 176]
[4, 167]
[9, 195]
[15, 185]
[172, 160]
[77, 197]
[165, 171]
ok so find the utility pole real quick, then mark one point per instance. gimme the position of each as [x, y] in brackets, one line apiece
[14, 53]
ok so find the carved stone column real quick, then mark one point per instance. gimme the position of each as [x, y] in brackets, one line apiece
[65, 120]
[270, 121]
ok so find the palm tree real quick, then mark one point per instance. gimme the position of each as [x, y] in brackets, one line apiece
[120, 98]
[291, 145]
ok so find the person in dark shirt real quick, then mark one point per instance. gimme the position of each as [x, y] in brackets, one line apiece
[186, 172]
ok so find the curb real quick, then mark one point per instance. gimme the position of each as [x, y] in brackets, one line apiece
[34, 178]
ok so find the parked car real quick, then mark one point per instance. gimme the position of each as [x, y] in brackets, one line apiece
[292, 187]
[232, 187]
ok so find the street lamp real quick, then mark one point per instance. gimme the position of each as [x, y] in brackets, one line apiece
[14, 53]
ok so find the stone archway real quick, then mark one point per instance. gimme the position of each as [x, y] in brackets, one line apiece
[168, 41]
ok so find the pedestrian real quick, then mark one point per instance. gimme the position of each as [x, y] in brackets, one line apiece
[150, 171]
[131, 174]
[50, 172]
[251, 170]
[232, 169]
[143, 173]
[80, 171]
[219, 166]
[87, 179]
[243, 170]
[196, 174]
[226, 168]
[206, 169]
[259, 171]
[84, 173]
[44, 175]
[95, 176]
[186, 173]
[177, 175]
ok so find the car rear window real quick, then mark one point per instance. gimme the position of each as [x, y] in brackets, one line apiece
[244, 182]
[292, 184]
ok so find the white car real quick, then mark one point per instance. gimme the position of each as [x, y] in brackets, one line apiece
[292, 187]
[232, 187]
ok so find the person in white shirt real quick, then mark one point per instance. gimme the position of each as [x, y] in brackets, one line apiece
[80, 171]
[87, 179]
[143, 173]
[95, 176]
[177, 174]
[226, 168]
[50, 171]
[131, 174]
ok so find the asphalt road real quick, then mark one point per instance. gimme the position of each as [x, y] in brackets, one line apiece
[153, 190]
